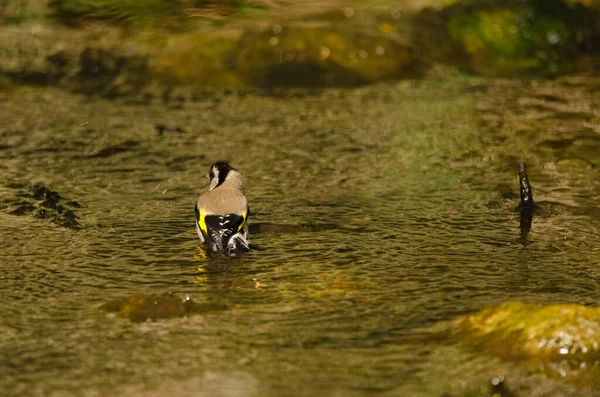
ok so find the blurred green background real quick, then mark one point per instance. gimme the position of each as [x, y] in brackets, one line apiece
[121, 47]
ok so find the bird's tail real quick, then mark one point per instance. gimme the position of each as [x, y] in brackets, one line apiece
[236, 244]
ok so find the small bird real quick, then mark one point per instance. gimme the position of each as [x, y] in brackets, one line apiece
[222, 211]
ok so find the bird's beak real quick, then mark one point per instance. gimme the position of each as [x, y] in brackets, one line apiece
[206, 176]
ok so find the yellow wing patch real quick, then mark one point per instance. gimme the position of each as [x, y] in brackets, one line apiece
[244, 222]
[202, 222]
[204, 227]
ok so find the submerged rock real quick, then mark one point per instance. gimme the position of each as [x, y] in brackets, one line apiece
[140, 307]
[44, 203]
[528, 329]
[143, 307]
[311, 56]
[562, 340]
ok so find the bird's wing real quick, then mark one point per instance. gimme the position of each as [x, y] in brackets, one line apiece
[220, 228]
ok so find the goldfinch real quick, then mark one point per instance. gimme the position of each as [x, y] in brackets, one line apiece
[222, 211]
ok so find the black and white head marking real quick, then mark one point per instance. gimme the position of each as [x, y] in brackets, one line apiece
[218, 173]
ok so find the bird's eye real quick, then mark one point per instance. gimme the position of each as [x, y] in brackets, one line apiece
[211, 174]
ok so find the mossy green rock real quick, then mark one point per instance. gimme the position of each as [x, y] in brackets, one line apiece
[504, 41]
[196, 59]
[517, 329]
[313, 56]
[506, 38]
[562, 340]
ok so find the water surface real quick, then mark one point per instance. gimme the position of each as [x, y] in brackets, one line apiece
[407, 194]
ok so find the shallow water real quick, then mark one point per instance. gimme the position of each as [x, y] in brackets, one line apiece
[407, 189]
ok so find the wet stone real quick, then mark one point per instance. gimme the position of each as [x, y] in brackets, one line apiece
[73, 204]
[68, 219]
[562, 340]
[318, 57]
[44, 203]
[52, 199]
[38, 192]
[22, 209]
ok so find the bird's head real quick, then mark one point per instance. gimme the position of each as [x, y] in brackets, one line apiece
[218, 173]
